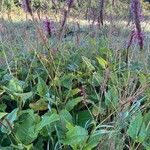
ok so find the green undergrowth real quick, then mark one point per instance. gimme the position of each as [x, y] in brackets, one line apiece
[76, 98]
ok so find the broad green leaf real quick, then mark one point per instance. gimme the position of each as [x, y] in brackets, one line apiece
[73, 92]
[76, 136]
[22, 96]
[39, 105]
[88, 63]
[72, 103]
[17, 94]
[47, 120]
[11, 117]
[137, 129]
[42, 88]
[65, 116]
[102, 62]
[66, 80]
[2, 114]
[95, 138]
[83, 117]
[62, 124]
[15, 85]
[97, 79]
[25, 128]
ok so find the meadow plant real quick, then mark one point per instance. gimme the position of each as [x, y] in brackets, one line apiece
[70, 3]
[101, 13]
[48, 27]
[65, 15]
[77, 93]
[137, 18]
[26, 5]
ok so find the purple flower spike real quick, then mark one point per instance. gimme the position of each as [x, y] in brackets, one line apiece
[137, 33]
[26, 5]
[70, 3]
[48, 27]
[136, 10]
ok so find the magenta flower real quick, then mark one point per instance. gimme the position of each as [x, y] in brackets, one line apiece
[48, 27]
[26, 5]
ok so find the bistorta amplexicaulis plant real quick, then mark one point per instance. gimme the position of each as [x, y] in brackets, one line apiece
[65, 15]
[101, 12]
[26, 5]
[70, 3]
[137, 18]
[48, 27]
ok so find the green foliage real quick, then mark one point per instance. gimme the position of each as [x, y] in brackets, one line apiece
[72, 103]
[137, 128]
[77, 109]
[81, 97]
[75, 136]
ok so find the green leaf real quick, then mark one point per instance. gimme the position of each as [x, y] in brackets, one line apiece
[47, 120]
[83, 117]
[102, 62]
[65, 116]
[3, 107]
[25, 128]
[88, 63]
[15, 85]
[147, 124]
[66, 80]
[39, 145]
[2, 114]
[137, 130]
[11, 117]
[39, 105]
[95, 138]
[42, 88]
[72, 103]
[65, 119]
[97, 79]
[76, 136]
[73, 92]
[22, 96]
[6, 148]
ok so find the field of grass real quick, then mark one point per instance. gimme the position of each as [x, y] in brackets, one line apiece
[74, 89]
